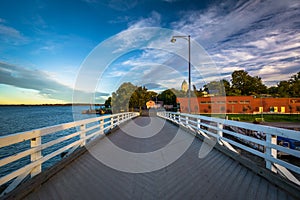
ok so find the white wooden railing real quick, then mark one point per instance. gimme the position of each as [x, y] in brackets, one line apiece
[76, 134]
[226, 133]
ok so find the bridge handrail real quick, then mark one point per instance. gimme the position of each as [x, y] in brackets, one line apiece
[87, 131]
[266, 148]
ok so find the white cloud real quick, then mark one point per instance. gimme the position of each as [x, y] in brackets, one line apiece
[39, 81]
[250, 35]
[11, 35]
[122, 5]
[153, 20]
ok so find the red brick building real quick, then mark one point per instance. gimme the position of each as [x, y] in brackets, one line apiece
[240, 104]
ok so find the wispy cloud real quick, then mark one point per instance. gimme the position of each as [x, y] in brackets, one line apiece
[122, 5]
[120, 19]
[153, 20]
[38, 80]
[253, 35]
[11, 35]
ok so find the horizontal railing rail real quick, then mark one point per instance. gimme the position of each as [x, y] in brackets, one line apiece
[256, 139]
[77, 134]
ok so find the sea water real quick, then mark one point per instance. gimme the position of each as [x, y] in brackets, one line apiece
[15, 119]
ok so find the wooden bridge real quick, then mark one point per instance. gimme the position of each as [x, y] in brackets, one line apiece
[218, 171]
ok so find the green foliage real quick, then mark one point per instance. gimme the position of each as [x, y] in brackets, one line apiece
[120, 99]
[128, 96]
[217, 87]
[246, 84]
[168, 97]
[107, 103]
[140, 96]
[242, 84]
[290, 88]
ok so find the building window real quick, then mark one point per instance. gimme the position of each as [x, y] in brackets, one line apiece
[232, 102]
[206, 102]
[244, 102]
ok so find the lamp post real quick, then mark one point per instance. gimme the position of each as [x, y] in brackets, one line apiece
[188, 38]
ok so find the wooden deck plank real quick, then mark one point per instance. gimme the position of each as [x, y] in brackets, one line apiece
[215, 176]
[236, 183]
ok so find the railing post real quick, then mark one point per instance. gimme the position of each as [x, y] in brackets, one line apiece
[187, 120]
[82, 134]
[220, 131]
[271, 152]
[102, 126]
[179, 118]
[199, 124]
[35, 142]
[112, 122]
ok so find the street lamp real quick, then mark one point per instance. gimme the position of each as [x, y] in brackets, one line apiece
[188, 38]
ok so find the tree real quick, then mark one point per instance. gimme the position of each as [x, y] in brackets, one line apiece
[283, 89]
[246, 84]
[289, 88]
[139, 97]
[107, 103]
[128, 96]
[215, 87]
[295, 85]
[120, 100]
[168, 97]
[221, 88]
[273, 91]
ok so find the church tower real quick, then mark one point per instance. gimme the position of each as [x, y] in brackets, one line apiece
[184, 86]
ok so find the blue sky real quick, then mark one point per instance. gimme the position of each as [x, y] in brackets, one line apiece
[44, 44]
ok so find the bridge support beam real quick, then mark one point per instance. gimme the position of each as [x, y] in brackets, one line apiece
[270, 139]
[35, 142]
[102, 126]
[220, 132]
[82, 135]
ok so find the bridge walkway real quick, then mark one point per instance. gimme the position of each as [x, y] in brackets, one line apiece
[216, 176]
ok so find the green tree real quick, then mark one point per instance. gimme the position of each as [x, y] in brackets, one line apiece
[120, 100]
[273, 91]
[287, 88]
[128, 96]
[283, 89]
[107, 103]
[168, 97]
[139, 97]
[246, 84]
[218, 88]
[295, 85]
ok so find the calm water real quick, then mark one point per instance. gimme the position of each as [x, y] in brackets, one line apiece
[16, 119]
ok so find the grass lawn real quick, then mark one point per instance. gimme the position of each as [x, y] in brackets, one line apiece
[267, 117]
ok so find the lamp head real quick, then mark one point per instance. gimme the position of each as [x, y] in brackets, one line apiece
[173, 40]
